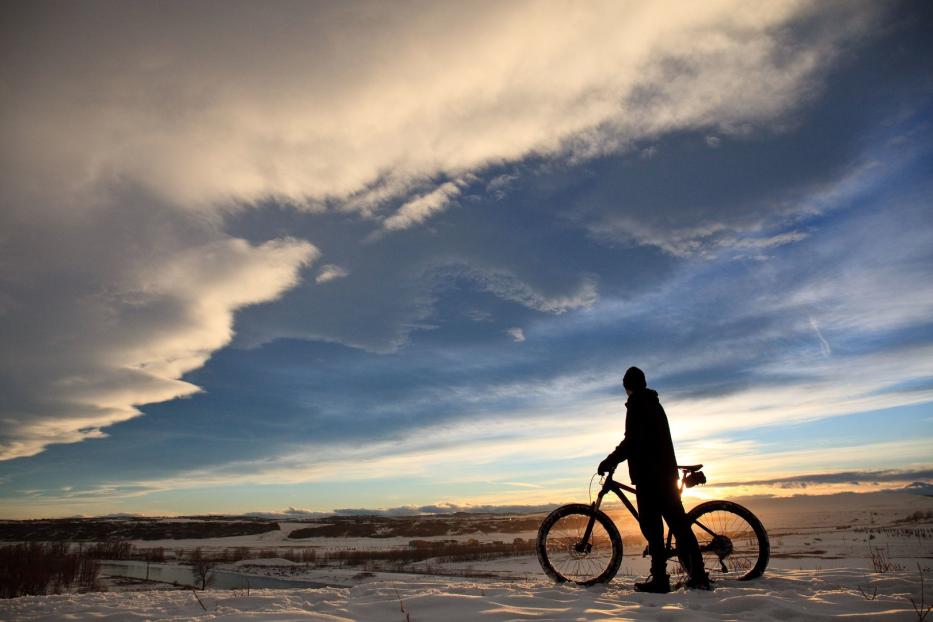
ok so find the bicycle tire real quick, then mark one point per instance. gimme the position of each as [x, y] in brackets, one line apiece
[737, 524]
[563, 528]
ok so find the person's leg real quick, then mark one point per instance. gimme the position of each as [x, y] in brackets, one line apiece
[649, 519]
[688, 548]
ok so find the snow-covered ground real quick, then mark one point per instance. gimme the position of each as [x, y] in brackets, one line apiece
[821, 567]
[782, 595]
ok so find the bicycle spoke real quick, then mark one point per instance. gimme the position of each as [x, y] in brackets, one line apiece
[733, 544]
[574, 565]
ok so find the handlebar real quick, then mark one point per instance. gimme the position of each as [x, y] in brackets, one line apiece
[608, 474]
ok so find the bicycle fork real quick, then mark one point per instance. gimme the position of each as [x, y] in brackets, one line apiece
[584, 545]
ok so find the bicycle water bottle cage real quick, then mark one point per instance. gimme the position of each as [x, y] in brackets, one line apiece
[694, 479]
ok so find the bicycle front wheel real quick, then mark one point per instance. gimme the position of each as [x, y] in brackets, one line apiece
[732, 540]
[564, 555]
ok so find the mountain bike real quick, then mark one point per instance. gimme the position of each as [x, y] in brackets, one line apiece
[579, 543]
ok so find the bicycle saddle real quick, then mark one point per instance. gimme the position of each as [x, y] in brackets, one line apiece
[691, 468]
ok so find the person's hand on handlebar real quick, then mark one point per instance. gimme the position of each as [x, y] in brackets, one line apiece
[606, 466]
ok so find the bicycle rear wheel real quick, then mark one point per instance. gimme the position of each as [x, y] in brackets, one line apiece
[565, 557]
[732, 540]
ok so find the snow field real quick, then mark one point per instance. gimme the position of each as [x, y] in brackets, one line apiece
[781, 595]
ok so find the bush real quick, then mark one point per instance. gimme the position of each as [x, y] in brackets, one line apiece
[38, 568]
[202, 565]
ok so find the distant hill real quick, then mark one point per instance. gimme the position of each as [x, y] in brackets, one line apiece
[99, 529]
[919, 488]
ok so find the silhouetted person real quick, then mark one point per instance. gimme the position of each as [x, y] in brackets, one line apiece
[653, 469]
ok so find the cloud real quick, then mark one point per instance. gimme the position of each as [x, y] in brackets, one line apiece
[516, 333]
[129, 151]
[886, 266]
[510, 287]
[498, 186]
[840, 477]
[825, 348]
[472, 453]
[732, 348]
[739, 212]
[730, 352]
[478, 315]
[396, 285]
[421, 208]
[329, 272]
[373, 99]
[648, 152]
[443, 508]
[115, 307]
[289, 513]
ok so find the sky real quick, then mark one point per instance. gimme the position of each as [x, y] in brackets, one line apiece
[315, 256]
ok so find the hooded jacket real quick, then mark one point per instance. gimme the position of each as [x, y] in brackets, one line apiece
[647, 444]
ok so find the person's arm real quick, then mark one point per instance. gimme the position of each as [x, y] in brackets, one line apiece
[619, 454]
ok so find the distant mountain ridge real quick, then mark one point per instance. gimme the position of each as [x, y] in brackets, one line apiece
[919, 488]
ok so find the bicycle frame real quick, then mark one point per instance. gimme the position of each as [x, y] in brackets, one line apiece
[610, 485]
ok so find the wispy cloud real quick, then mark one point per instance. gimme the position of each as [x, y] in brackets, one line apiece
[421, 208]
[329, 272]
[471, 452]
[840, 477]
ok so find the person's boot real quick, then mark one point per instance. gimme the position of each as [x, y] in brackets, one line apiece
[699, 581]
[657, 583]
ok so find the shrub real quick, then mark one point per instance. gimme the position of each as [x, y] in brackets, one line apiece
[39, 568]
